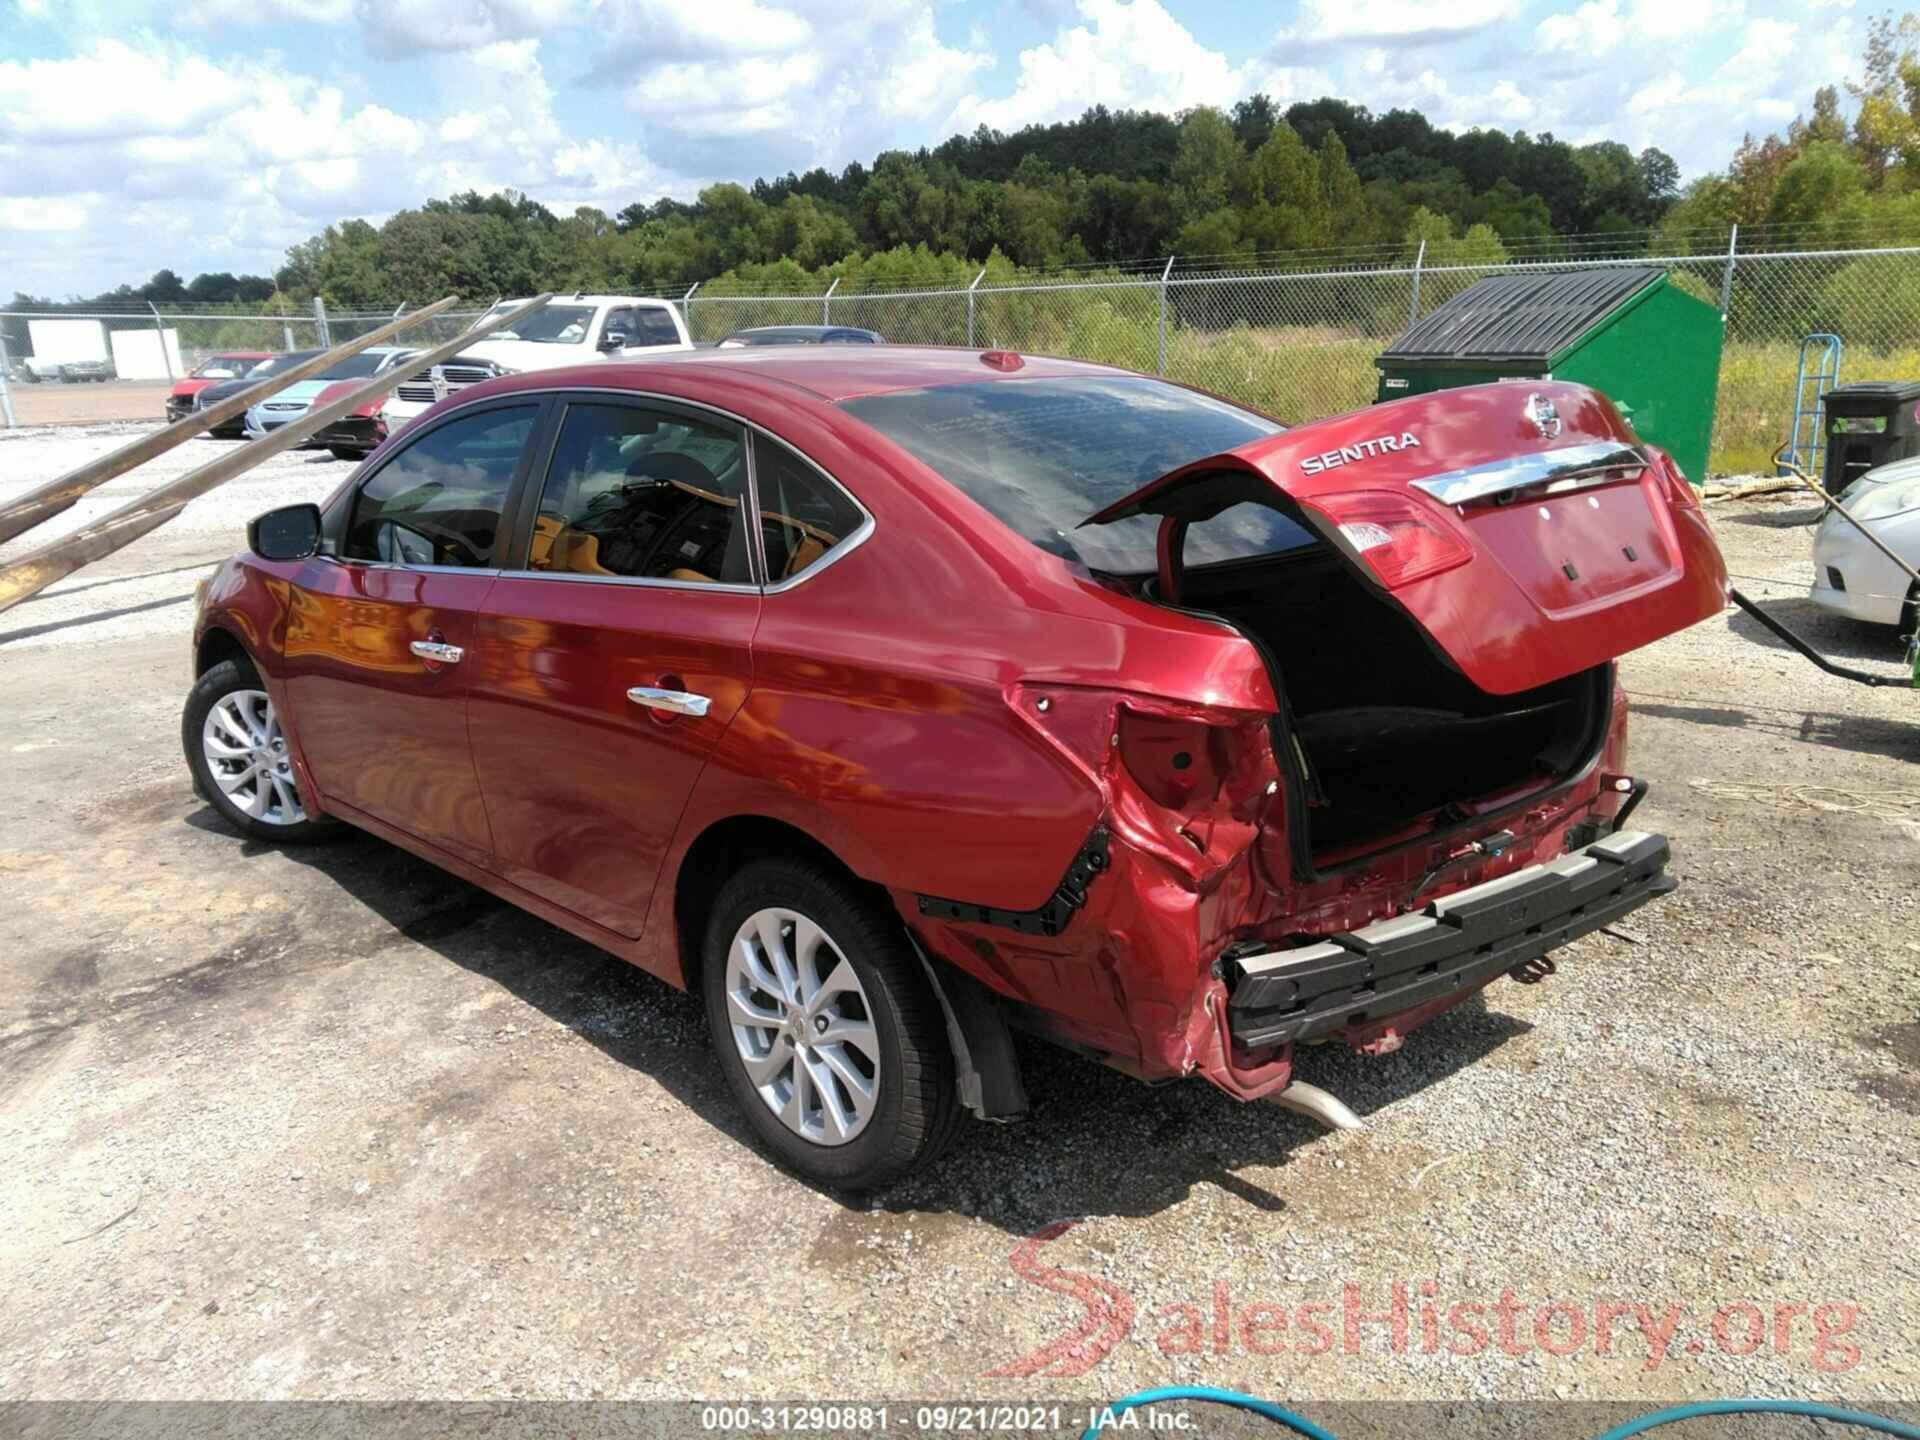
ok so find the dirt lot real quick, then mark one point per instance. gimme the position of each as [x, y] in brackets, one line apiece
[329, 1123]
[52, 403]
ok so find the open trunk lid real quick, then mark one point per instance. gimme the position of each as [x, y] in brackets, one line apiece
[1522, 525]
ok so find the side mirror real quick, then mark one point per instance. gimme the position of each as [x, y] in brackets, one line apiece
[290, 533]
[614, 340]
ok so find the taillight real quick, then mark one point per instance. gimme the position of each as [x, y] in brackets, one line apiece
[1176, 762]
[1389, 532]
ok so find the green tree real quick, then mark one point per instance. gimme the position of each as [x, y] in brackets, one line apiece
[1201, 177]
[1887, 129]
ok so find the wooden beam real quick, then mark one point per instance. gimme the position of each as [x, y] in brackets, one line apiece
[43, 502]
[34, 572]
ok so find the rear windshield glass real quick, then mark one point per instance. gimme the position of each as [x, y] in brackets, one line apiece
[1042, 455]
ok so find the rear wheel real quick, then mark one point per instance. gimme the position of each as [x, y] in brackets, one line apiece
[237, 752]
[343, 452]
[828, 1032]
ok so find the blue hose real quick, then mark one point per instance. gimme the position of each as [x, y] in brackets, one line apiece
[1300, 1425]
[1810, 1408]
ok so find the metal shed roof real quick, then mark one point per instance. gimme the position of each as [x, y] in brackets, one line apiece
[1531, 316]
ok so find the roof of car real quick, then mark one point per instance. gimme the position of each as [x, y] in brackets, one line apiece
[591, 300]
[840, 372]
[803, 330]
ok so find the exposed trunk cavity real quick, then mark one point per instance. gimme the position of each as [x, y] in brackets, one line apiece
[1397, 743]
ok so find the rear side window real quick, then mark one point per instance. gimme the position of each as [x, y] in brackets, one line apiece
[644, 494]
[439, 501]
[1042, 455]
[804, 516]
[652, 327]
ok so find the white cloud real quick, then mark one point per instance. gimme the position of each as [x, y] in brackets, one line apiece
[1123, 54]
[927, 76]
[1595, 29]
[44, 215]
[216, 132]
[114, 90]
[632, 35]
[403, 27]
[1404, 21]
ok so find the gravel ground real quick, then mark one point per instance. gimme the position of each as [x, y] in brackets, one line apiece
[145, 590]
[51, 403]
[329, 1123]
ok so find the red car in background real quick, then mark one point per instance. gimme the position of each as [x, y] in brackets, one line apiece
[896, 697]
[358, 433]
[222, 365]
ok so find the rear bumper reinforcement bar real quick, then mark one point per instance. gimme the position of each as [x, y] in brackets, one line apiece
[1452, 945]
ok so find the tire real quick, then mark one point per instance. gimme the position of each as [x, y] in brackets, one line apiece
[913, 1111]
[1910, 612]
[343, 452]
[266, 807]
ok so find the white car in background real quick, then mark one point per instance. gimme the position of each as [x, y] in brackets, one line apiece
[1851, 576]
[578, 329]
[413, 396]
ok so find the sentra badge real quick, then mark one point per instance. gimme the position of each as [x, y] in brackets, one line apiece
[1364, 450]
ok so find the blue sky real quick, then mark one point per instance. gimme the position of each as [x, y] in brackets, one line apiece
[211, 134]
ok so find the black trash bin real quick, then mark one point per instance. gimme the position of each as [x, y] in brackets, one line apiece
[1868, 424]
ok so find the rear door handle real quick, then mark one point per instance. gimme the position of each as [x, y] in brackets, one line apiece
[673, 702]
[436, 651]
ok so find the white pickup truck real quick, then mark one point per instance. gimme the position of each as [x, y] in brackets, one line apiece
[576, 329]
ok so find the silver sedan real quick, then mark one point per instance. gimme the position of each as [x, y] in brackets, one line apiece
[1851, 576]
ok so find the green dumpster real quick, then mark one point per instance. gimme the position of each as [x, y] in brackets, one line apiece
[1627, 330]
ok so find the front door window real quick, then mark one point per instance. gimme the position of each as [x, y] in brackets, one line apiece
[439, 501]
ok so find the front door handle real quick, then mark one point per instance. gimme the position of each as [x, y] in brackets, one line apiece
[437, 651]
[673, 702]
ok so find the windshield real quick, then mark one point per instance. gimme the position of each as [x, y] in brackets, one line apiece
[1042, 455]
[222, 367]
[555, 325]
[278, 363]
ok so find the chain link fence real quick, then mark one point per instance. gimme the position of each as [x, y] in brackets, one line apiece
[1299, 342]
[1295, 336]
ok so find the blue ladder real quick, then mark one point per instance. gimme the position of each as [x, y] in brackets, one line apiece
[1807, 440]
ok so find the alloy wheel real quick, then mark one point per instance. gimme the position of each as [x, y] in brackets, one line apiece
[803, 1027]
[247, 757]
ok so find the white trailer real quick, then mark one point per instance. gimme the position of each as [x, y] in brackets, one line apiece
[146, 354]
[68, 350]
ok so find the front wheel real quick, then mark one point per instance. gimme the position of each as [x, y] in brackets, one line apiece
[826, 1026]
[238, 755]
[342, 452]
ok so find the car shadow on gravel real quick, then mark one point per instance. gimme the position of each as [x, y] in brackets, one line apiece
[1835, 636]
[1096, 1142]
[1861, 734]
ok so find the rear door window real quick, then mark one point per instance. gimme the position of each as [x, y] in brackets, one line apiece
[652, 327]
[439, 501]
[804, 517]
[644, 493]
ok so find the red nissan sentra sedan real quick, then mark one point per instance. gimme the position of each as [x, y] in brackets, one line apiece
[895, 697]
